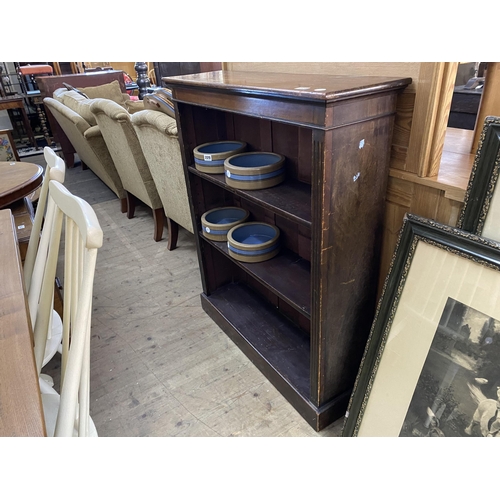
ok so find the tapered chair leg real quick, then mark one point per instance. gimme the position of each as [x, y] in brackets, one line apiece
[123, 205]
[130, 205]
[173, 233]
[158, 217]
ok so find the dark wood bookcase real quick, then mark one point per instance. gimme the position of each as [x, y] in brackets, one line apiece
[303, 317]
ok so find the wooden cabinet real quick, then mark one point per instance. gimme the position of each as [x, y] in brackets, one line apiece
[302, 317]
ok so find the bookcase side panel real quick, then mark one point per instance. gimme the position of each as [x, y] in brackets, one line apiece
[352, 208]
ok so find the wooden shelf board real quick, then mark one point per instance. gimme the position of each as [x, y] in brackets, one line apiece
[274, 345]
[291, 199]
[287, 275]
[267, 333]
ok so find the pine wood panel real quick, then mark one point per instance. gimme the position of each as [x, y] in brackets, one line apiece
[442, 114]
[407, 196]
[429, 117]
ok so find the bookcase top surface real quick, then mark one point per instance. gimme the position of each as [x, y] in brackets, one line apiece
[288, 85]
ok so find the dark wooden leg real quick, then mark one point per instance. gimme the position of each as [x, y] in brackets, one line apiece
[173, 233]
[27, 126]
[158, 217]
[124, 205]
[69, 158]
[130, 205]
[43, 121]
[68, 151]
[84, 166]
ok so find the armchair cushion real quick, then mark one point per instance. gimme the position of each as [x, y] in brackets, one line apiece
[70, 87]
[80, 105]
[111, 91]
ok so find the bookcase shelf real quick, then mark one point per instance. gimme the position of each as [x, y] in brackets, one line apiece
[292, 199]
[287, 275]
[302, 317]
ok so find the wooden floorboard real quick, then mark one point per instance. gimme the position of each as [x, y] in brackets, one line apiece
[159, 365]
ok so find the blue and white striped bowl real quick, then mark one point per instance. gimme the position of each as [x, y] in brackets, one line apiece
[209, 157]
[217, 222]
[255, 170]
[253, 242]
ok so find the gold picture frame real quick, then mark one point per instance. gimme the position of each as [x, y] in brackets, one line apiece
[8, 150]
[432, 360]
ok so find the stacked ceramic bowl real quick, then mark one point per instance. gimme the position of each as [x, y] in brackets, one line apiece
[209, 157]
[255, 170]
[253, 242]
[216, 223]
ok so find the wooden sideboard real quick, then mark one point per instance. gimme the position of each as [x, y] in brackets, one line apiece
[47, 85]
[302, 317]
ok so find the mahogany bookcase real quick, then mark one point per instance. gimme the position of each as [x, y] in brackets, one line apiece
[304, 316]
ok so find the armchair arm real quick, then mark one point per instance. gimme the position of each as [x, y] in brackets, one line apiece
[156, 119]
[92, 132]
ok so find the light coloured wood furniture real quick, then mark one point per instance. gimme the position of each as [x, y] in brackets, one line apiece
[19, 179]
[21, 411]
[67, 413]
[37, 255]
[439, 197]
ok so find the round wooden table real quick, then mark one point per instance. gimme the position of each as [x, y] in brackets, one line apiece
[17, 180]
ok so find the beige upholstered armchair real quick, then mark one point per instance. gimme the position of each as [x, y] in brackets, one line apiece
[88, 143]
[157, 133]
[120, 137]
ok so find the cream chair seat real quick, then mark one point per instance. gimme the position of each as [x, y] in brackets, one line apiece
[67, 412]
[114, 122]
[157, 133]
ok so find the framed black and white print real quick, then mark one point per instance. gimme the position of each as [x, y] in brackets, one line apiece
[431, 367]
[481, 210]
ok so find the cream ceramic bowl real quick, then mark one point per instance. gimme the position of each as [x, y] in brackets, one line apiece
[217, 222]
[254, 170]
[209, 157]
[253, 242]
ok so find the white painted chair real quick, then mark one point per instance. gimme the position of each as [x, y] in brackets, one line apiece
[55, 170]
[67, 413]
